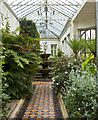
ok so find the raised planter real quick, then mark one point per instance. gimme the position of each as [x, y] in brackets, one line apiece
[15, 108]
[63, 109]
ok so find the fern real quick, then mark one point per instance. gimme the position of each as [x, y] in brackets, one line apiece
[17, 58]
[21, 62]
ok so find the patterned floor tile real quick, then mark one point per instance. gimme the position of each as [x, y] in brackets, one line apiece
[41, 103]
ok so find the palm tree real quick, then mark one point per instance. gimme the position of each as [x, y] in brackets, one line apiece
[76, 45]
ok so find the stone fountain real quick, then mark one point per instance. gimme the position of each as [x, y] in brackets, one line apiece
[45, 64]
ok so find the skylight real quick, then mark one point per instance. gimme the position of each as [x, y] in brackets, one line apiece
[47, 14]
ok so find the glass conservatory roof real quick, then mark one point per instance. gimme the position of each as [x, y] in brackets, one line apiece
[50, 16]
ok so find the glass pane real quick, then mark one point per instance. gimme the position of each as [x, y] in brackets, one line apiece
[83, 34]
[58, 10]
[54, 52]
[93, 34]
[51, 46]
[51, 52]
[87, 34]
[55, 47]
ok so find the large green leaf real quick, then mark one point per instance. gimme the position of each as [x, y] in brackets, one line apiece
[88, 59]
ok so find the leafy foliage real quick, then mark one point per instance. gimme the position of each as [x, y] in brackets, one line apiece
[59, 54]
[20, 59]
[28, 28]
[76, 85]
[88, 64]
[91, 44]
[61, 68]
[4, 96]
[80, 98]
[76, 45]
[21, 62]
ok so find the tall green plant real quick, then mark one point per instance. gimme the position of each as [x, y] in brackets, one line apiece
[88, 65]
[21, 61]
[28, 28]
[76, 45]
[80, 97]
[91, 44]
[4, 96]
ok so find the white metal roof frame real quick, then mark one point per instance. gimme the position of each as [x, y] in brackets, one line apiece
[47, 14]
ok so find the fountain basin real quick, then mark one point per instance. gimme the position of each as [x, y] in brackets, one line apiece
[46, 64]
[45, 72]
[45, 56]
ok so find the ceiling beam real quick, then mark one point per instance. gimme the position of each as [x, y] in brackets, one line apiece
[18, 4]
[13, 5]
[30, 12]
[54, 27]
[23, 10]
[68, 10]
[56, 21]
[53, 32]
[70, 4]
[61, 13]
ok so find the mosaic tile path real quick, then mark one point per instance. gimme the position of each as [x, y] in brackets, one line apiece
[41, 104]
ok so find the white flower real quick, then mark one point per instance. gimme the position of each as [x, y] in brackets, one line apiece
[56, 76]
[93, 107]
[68, 65]
[75, 60]
[66, 72]
[52, 78]
[79, 109]
[57, 83]
[74, 89]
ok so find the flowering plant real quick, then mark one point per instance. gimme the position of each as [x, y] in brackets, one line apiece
[80, 98]
[61, 68]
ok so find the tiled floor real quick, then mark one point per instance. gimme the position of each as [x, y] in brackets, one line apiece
[41, 104]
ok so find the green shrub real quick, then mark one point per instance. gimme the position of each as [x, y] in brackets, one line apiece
[59, 53]
[4, 97]
[80, 98]
[89, 65]
[61, 68]
[77, 85]
[21, 61]
[28, 28]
